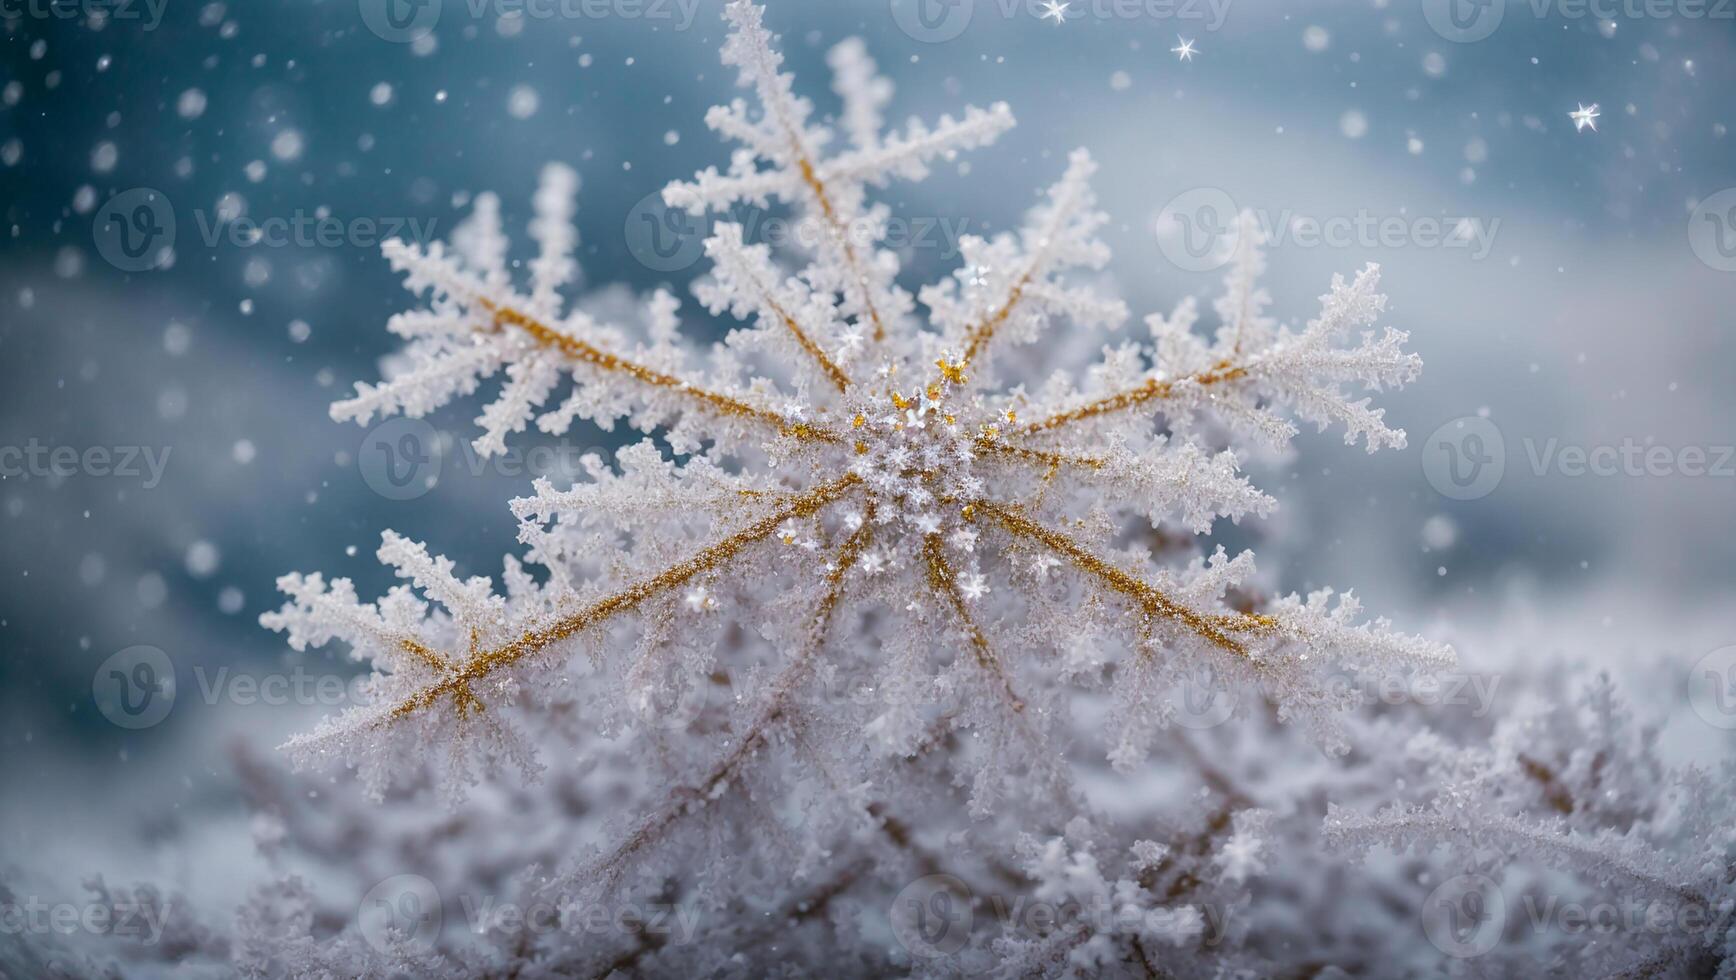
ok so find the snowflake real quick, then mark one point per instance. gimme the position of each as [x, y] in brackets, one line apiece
[847, 487]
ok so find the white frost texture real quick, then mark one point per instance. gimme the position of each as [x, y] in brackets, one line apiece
[878, 655]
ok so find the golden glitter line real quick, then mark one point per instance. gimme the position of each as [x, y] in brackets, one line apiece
[983, 332]
[818, 186]
[943, 580]
[584, 353]
[1215, 628]
[682, 798]
[462, 696]
[1050, 460]
[481, 663]
[422, 653]
[853, 547]
[1153, 389]
[833, 371]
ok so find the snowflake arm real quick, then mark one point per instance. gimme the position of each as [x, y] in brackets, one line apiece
[1244, 384]
[829, 192]
[864, 91]
[1010, 285]
[477, 325]
[943, 580]
[604, 873]
[421, 679]
[745, 282]
[1220, 631]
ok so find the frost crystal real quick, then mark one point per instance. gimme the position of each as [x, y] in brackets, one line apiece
[854, 483]
[868, 604]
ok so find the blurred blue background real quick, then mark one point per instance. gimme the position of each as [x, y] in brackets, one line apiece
[1595, 315]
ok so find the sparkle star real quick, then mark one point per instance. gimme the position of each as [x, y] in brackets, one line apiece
[1584, 117]
[1055, 11]
[1185, 50]
[973, 585]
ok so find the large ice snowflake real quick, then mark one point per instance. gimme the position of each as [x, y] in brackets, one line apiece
[857, 531]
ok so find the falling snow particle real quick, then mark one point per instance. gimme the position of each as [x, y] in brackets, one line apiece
[151, 590]
[202, 559]
[191, 104]
[287, 145]
[1439, 532]
[177, 339]
[231, 206]
[522, 102]
[69, 262]
[1353, 124]
[171, 403]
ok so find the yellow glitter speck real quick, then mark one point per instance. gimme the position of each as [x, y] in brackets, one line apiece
[951, 372]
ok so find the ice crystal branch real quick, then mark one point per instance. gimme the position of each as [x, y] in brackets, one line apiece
[1576, 788]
